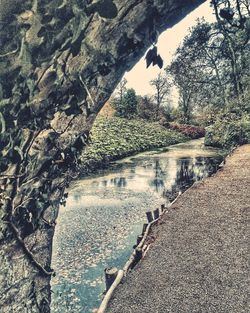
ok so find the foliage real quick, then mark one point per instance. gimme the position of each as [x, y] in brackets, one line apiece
[115, 138]
[191, 131]
[146, 108]
[231, 126]
[167, 112]
[228, 131]
[212, 65]
[204, 118]
[130, 103]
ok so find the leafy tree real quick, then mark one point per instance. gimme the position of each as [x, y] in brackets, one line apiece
[185, 87]
[234, 26]
[167, 113]
[212, 65]
[127, 107]
[130, 103]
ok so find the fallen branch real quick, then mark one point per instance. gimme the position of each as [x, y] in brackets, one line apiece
[109, 293]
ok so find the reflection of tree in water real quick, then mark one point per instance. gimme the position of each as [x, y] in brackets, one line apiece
[104, 183]
[190, 170]
[160, 177]
[185, 175]
[132, 170]
[119, 182]
[77, 197]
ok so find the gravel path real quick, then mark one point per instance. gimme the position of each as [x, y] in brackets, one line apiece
[199, 262]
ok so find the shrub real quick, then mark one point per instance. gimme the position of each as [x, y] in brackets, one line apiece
[228, 131]
[146, 108]
[193, 132]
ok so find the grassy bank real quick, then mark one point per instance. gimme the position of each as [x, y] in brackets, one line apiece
[114, 138]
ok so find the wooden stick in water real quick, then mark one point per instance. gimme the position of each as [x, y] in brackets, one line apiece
[110, 276]
[149, 216]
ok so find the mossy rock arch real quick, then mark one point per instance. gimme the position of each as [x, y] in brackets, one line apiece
[60, 60]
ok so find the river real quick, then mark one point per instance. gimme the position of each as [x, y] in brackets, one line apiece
[104, 215]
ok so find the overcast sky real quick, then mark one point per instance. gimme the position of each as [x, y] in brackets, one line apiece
[139, 77]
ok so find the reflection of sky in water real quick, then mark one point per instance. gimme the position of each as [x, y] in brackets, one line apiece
[105, 213]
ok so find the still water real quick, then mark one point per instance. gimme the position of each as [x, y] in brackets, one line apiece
[105, 212]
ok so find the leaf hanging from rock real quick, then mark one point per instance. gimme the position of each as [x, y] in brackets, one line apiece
[159, 61]
[153, 58]
[151, 55]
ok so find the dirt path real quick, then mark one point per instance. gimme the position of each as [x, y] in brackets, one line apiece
[199, 262]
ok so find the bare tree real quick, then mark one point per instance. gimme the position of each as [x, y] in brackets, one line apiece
[121, 89]
[162, 86]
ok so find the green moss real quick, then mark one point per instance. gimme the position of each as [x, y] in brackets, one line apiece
[114, 138]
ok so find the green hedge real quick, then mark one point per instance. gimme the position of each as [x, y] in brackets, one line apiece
[114, 138]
